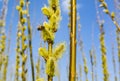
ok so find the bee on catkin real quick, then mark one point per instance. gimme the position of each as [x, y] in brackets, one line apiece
[48, 30]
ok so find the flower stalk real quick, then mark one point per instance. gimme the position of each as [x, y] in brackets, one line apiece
[23, 37]
[48, 30]
[72, 66]
[114, 63]
[102, 38]
[18, 53]
[30, 39]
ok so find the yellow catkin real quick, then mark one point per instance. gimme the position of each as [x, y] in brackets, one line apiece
[84, 60]
[52, 58]
[38, 69]
[58, 51]
[23, 38]
[82, 52]
[40, 79]
[102, 40]
[69, 14]
[95, 64]
[118, 46]
[5, 62]
[83, 56]
[112, 15]
[2, 48]
[48, 30]
[104, 57]
[2, 54]
[18, 50]
[53, 14]
[92, 63]
[85, 68]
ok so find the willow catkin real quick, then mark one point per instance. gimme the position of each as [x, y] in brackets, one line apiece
[69, 14]
[2, 48]
[96, 79]
[95, 65]
[102, 38]
[52, 58]
[2, 30]
[104, 57]
[2, 54]
[92, 63]
[38, 69]
[111, 14]
[85, 68]
[23, 37]
[84, 60]
[5, 63]
[40, 79]
[3, 38]
[18, 50]
[3, 15]
[118, 46]
[48, 30]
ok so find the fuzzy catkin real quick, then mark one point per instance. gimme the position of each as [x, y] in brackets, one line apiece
[2, 48]
[85, 68]
[111, 14]
[38, 69]
[18, 53]
[84, 60]
[3, 39]
[23, 37]
[118, 46]
[3, 16]
[92, 63]
[52, 58]
[5, 62]
[48, 30]
[104, 57]
[95, 65]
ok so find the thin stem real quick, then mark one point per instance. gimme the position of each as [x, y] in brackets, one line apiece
[30, 40]
[50, 78]
[114, 63]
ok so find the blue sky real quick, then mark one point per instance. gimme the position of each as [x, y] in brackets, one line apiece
[86, 9]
